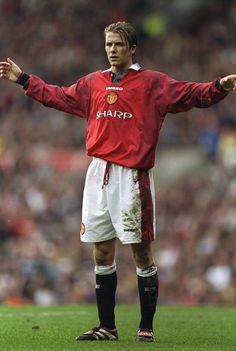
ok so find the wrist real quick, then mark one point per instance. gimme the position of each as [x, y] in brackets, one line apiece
[220, 87]
[22, 79]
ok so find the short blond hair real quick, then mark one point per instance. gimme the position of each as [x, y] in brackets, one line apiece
[125, 29]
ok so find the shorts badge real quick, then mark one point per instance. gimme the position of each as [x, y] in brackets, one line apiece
[82, 229]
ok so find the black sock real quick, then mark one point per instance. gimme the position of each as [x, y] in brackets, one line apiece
[148, 294]
[105, 294]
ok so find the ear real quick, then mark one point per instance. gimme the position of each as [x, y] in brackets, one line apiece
[133, 49]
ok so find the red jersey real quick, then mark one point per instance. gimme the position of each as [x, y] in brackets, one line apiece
[124, 119]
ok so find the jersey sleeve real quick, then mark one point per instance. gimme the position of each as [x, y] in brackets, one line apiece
[182, 96]
[73, 99]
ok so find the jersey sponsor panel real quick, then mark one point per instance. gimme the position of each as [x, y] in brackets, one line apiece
[114, 114]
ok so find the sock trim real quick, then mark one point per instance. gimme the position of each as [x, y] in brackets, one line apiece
[146, 272]
[105, 270]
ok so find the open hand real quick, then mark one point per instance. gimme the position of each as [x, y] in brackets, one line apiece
[9, 70]
[228, 83]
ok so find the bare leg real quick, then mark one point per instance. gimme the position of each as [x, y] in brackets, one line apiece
[104, 252]
[143, 254]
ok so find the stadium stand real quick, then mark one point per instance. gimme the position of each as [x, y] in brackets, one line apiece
[43, 160]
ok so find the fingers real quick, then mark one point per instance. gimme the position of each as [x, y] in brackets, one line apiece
[234, 88]
[4, 69]
[10, 61]
[233, 82]
[4, 65]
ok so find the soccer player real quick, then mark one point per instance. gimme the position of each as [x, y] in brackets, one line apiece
[125, 107]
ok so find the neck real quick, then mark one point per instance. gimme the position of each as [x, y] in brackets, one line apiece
[119, 71]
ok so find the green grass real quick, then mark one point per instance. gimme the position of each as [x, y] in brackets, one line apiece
[176, 328]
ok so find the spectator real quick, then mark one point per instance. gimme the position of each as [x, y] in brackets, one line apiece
[194, 222]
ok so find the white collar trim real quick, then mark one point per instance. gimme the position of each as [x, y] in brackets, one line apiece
[134, 66]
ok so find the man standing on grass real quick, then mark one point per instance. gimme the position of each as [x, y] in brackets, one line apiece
[125, 107]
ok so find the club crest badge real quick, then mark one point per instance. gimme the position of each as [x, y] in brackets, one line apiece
[82, 229]
[112, 98]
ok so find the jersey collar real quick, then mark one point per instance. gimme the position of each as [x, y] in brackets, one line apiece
[134, 66]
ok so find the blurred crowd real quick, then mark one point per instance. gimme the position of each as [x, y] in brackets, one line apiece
[43, 160]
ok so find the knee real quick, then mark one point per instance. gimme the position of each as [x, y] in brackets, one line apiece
[142, 255]
[103, 255]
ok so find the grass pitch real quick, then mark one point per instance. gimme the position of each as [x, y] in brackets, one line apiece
[54, 328]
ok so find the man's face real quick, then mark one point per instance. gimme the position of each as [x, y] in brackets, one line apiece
[119, 53]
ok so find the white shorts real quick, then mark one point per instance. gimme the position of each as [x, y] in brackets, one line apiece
[118, 202]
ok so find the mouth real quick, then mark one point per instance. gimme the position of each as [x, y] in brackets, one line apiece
[112, 58]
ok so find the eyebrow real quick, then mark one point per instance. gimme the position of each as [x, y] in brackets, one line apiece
[117, 42]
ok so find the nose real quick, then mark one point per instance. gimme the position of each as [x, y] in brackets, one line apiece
[113, 48]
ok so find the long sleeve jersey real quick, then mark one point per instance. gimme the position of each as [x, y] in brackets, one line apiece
[124, 119]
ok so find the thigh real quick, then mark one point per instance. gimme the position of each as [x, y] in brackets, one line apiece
[96, 221]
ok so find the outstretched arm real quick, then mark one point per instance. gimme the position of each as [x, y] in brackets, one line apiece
[9, 70]
[73, 99]
[228, 83]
